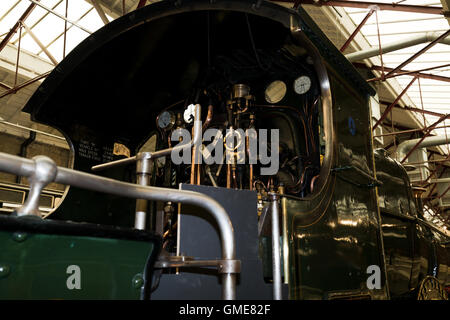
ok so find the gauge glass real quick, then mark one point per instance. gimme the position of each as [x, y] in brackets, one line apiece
[166, 120]
[302, 84]
[275, 91]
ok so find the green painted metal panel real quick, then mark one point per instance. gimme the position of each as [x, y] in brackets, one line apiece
[35, 266]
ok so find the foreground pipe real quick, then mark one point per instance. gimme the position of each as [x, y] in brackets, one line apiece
[143, 172]
[427, 37]
[404, 147]
[47, 171]
[276, 256]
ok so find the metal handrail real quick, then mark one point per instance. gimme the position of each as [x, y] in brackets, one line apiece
[42, 170]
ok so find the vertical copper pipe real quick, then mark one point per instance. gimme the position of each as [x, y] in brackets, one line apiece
[251, 177]
[209, 117]
[228, 175]
[193, 162]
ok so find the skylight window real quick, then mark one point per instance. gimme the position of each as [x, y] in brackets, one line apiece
[48, 27]
[394, 27]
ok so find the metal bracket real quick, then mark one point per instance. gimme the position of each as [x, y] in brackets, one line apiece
[45, 171]
[223, 266]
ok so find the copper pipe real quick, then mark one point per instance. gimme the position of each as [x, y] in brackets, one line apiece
[194, 151]
[251, 177]
[228, 176]
[209, 117]
[313, 180]
[193, 171]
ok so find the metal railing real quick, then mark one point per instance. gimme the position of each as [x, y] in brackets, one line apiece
[42, 170]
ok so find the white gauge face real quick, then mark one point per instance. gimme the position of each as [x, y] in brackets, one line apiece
[166, 120]
[302, 84]
[276, 91]
[189, 114]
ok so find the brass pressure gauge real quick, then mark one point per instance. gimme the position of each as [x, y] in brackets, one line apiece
[275, 91]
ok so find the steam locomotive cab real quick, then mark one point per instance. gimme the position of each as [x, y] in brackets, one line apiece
[247, 106]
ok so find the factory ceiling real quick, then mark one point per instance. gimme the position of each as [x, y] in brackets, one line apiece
[412, 81]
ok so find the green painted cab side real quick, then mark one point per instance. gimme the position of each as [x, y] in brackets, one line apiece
[36, 266]
[335, 235]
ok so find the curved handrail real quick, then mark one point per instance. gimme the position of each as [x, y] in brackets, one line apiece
[42, 170]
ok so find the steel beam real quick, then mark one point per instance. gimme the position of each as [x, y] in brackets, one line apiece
[388, 109]
[365, 5]
[405, 131]
[13, 30]
[39, 20]
[431, 113]
[429, 129]
[5, 86]
[23, 85]
[141, 4]
[358, 28]
[419, 53]
[100, 11]
[419, 73]
[68, 28]
[60, 16]
[39, 43]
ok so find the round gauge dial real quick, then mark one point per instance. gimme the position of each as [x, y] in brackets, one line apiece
[166, 120]
[275, 91]
[302, 84]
